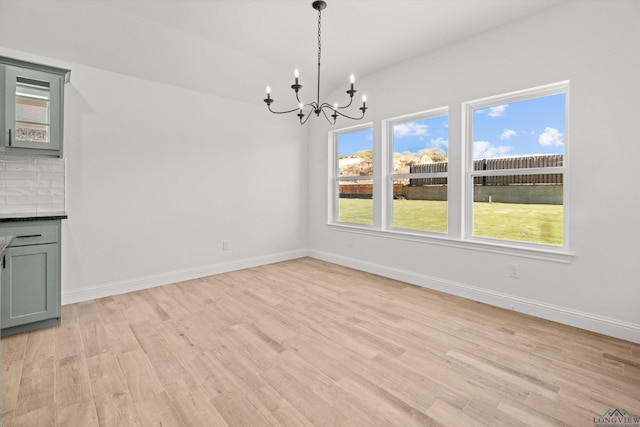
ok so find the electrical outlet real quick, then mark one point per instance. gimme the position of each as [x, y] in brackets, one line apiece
[225, 245]
[514, 271]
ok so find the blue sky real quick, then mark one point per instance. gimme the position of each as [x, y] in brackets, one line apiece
[409, 136]
[422, 134]
[533, 126]
[349, 143]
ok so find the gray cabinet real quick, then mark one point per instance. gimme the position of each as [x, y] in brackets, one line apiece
[30, 282]
[32, 107]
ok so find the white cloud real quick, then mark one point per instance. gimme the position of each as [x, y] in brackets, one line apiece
[497, 111]
[486, 150]
[410, 129]
[440, 144]
[508, 133]
[551, 137]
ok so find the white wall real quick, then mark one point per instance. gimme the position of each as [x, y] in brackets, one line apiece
[594, 44]
[162, 163]
[158, 176]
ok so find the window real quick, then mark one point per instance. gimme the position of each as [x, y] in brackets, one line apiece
[508, 187]
[516, 167]
[353, 175]
[417, 164]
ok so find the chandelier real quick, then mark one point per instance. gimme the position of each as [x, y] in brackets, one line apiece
[330, 112]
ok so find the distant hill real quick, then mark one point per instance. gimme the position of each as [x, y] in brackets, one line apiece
[361, 163]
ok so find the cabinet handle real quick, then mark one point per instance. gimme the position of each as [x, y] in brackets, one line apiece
[3, 260]
[9, 137]
[28, 235]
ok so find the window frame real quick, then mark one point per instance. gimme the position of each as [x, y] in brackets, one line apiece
[389, 176]
[468, 108]
[458, 188]
[335, 178]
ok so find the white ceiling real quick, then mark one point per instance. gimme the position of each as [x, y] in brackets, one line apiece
[234, 48]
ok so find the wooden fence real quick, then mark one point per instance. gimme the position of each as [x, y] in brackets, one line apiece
[546, 161]
[428, 168]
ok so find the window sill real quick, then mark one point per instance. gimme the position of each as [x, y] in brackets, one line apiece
[540, 253]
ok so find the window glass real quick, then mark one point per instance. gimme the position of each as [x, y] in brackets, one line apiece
[508, 139]
[419, 167]
[514, 207]
[524, 128]
[420, 142]
[355, 176]
[32, 110]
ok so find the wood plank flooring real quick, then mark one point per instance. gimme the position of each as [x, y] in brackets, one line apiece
[308, 343]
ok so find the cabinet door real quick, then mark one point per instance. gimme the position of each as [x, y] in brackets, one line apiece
[33, 109]
[30, 284]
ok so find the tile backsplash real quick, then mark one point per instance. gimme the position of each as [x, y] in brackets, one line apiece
[30, 184]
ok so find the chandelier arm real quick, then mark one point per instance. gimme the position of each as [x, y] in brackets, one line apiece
[326, 104]
[306, 118]
[281, 112]
[349, 104]
[350, 117]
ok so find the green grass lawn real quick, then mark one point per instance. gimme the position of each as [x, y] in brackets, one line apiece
[508, 221]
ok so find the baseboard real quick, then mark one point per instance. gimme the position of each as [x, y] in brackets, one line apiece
[13, 330]
[137, 284]
[583, 320]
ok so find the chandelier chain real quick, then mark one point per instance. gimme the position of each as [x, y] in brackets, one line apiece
[319, 35]
[319, 53]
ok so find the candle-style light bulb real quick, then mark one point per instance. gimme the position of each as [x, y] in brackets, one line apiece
[364, 104]
[296, 86]
[300, 106]
[268, 99]
[335, 106]
[351, 90]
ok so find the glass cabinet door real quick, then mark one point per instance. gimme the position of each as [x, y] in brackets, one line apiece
[32, 101]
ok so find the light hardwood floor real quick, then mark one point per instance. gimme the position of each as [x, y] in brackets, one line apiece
[307, 343]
